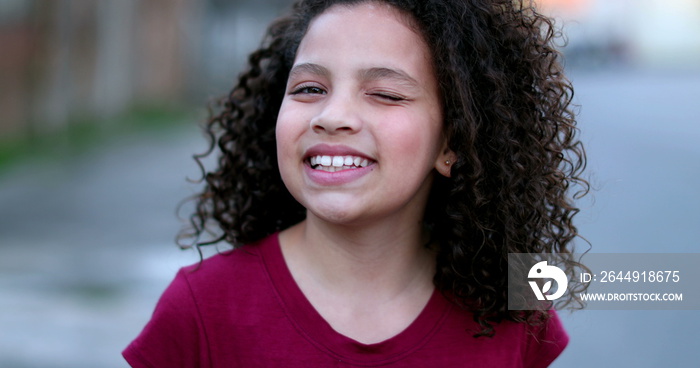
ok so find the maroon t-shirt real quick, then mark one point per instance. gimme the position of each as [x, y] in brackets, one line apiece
[244, 309]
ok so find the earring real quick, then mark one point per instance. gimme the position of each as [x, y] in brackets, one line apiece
[447, 162]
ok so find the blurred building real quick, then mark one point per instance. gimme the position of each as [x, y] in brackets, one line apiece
[68, 59]
[83, 57]
[640, 33]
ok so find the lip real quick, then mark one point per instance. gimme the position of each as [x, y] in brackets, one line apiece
[325, 178]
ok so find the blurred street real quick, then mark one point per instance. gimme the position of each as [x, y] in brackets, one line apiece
[641, 131]
[87, 245]
[87, 241]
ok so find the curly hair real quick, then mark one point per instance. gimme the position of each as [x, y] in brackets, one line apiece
[507, 116]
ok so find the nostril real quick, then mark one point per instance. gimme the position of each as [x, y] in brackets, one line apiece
[317, 127]
[335, 121]
[330, 130]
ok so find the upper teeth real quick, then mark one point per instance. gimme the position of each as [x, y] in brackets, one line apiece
[339, 161]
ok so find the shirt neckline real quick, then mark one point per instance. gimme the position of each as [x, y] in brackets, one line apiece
[320, 333]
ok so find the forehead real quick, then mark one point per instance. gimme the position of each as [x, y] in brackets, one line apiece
[379, 9]
[372, 31]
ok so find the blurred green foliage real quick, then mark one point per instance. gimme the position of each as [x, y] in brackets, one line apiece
[85, 133]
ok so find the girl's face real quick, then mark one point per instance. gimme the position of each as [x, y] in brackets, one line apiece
[359, 131]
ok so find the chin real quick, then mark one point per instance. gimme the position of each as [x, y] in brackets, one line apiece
[336, 208]
[337, 215]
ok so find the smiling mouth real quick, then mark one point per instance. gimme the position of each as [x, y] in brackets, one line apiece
[337, 163]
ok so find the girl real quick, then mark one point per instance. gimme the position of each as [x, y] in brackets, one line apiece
[379, 160]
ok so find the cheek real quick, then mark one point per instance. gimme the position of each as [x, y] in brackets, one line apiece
[285, 148]
[286, 129]
[289, 130]
[285, 158]
[413, 135]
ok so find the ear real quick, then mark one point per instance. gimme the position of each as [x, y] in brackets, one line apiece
[445, 160]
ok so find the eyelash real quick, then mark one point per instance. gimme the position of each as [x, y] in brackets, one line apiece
[307, 90]
[385, 96]
[313, 90]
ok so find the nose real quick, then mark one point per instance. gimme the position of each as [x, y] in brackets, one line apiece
[339, 115]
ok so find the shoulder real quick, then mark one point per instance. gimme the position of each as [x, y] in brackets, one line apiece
[513, 344]
[544, 342]
[222, 267]
[196, 301]
[537, 344]
[234, 276]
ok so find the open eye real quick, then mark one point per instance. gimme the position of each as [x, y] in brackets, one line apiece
[308, 90]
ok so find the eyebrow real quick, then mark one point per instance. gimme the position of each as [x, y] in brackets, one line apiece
[369, 74]
[388, 73]
[310, 68]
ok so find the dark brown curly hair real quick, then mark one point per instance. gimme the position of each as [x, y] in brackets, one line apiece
[507, 116]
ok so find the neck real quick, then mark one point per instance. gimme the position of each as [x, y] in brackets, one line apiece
[381, 259]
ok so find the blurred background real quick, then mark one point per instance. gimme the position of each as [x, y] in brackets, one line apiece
[100, 103]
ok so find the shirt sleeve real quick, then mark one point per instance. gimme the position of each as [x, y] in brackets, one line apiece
[546, 342]
[175, 336]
